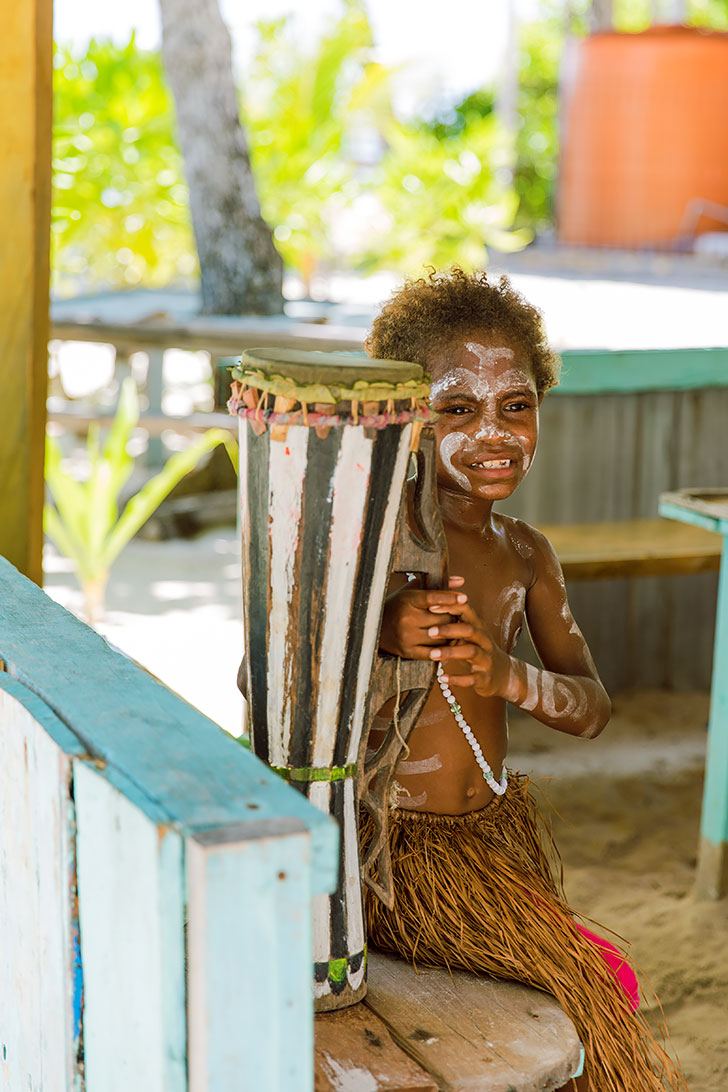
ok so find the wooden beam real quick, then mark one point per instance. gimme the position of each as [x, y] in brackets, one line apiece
[25, 180]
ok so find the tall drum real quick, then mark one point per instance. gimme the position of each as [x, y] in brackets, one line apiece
[325, 442]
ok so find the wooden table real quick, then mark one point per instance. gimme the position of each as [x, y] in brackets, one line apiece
[431, 1030]
[707, 509]
[635, 547]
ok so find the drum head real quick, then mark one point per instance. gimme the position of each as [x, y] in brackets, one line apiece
[330, 377]
[336, 369]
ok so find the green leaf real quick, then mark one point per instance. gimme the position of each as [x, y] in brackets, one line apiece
[57, 531]
[150, 496]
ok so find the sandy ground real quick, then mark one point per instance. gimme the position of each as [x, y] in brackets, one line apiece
[626, 813]
[626, 806]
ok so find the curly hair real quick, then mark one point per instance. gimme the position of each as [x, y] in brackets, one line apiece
[424, 315]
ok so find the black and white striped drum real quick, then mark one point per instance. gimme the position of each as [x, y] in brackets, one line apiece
[325, 442]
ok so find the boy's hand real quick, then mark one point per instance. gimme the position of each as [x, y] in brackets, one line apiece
[488, 666]
[411, 612]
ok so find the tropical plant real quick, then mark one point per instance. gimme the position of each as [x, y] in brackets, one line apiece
[84, 521]
[297, 108]
[541, 47]
[120, 202]
[442, 197]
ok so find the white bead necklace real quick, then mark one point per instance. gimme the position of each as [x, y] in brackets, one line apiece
[498, 787]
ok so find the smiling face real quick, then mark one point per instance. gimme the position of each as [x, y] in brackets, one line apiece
[484, 391]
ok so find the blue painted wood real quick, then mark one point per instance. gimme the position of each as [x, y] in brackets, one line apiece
[131, 915]
[38, 1033]
[713, 859]
[173, 762]
[240, 967]
[714, 822]
[673, 510]
[247, 900]
[602, 371]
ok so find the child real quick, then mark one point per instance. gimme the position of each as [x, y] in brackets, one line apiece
[473, 882]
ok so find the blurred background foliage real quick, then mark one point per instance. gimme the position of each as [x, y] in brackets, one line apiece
[296, 108]
[343, 181]
[120, 203]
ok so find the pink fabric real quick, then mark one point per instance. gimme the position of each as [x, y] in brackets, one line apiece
[617, 964]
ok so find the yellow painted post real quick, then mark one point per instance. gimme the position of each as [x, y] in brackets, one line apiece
[25, 180]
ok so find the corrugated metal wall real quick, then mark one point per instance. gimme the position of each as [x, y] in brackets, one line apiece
[608, 457]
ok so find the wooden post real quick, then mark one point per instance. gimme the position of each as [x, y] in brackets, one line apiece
[711, 881]
[708, 508]
[25, 138]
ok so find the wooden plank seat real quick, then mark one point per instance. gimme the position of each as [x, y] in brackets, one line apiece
[429, 1029]
[636, 547]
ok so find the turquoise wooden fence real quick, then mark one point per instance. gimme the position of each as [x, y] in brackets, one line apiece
[156, 879]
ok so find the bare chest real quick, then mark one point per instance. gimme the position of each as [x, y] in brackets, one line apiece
[496, 581]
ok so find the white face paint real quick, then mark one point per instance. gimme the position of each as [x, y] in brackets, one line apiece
[488, 389]
[451, 443]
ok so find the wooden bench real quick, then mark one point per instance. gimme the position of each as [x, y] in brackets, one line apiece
[637, 547]
[429, 1030]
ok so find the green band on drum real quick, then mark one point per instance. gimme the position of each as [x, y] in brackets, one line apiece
[316, 773]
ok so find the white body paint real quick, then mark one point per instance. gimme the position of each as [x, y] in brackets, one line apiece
[531, 699]
[419, 765]
[509, 610]
[404, 800]
[561, 699]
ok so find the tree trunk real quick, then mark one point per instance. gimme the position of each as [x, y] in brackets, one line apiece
[240, 268]
[601, 15]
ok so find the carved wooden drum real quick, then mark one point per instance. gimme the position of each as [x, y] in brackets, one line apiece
[325, 442]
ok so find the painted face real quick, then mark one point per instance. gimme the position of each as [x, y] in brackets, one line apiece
[484, 391]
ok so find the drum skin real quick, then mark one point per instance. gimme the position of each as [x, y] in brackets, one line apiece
[645, 143]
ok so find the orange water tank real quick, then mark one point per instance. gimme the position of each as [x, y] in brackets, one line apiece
[645, 138]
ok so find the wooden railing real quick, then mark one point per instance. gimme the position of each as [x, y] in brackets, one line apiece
[156, 879]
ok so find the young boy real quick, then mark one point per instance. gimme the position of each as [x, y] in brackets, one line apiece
[474, 884]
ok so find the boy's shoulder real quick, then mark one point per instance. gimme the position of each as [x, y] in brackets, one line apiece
[530, 543]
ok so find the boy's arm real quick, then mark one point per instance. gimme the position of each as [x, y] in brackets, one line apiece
[566, 693]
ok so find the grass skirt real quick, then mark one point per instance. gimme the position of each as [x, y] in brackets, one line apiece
[478, 892]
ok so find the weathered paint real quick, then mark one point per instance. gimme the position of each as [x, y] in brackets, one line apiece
[171, 761]
[350, 489]
[712, 873]
[287, 469]
[130, 881]
[248, 958]
[36, 952]
[141, 810]
[375, 604]
[319, 511]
